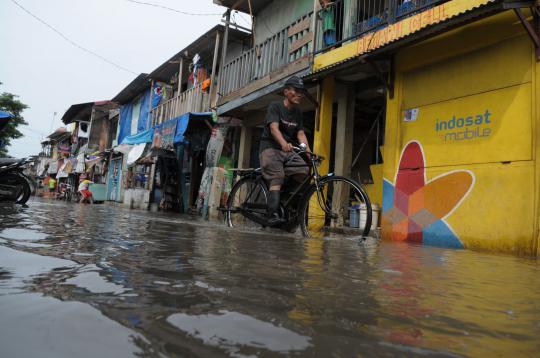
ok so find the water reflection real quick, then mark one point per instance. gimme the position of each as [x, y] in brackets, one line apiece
[160, 286]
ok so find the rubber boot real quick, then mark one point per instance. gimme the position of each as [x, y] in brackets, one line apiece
[273, 208]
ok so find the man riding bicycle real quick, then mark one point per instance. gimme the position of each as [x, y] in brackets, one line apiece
[283, 126]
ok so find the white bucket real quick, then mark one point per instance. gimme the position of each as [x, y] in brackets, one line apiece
[374, 218]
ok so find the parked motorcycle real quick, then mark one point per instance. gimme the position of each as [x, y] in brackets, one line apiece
[14, 185]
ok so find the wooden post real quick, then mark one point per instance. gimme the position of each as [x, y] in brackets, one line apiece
[323, 128]
[322, 144]
[213, 97]
[224, 50]
[343, 150]
[92, 115]
[244, 152]
[151, 184]
[180, 75]
[344, 131]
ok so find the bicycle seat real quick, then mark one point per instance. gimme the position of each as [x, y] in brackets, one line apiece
[9, 161]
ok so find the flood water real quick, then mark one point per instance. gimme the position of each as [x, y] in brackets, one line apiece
[102, 281]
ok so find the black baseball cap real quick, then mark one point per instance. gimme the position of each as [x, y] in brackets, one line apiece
[296, 82]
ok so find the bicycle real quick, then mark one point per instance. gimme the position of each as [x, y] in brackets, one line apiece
[320, 204]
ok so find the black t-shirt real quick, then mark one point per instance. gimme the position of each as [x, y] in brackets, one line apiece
[290, 122]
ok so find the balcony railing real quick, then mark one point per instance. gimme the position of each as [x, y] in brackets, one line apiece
[192, 100]
[286, 46]
[345, 20]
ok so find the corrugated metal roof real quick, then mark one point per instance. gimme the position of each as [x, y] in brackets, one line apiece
[82, 111]
[135, 87]
[415, 36]
[243, 5]
[204, 46]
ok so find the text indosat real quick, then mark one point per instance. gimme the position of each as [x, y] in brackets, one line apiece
[465, 128]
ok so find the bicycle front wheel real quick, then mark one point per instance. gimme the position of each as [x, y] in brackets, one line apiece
[340, 206]
[248, 198]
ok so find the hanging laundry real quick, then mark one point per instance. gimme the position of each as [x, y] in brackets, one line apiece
[157, 95]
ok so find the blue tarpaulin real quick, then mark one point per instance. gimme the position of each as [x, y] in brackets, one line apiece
[144, 115]
[181, 127]
[141, 137]
[126, 112]
[183, 122]
[4, 114]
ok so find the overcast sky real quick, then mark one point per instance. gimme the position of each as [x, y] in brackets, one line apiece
[50, 74]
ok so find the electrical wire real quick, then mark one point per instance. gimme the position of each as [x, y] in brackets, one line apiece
[171, 9]
[71, 41]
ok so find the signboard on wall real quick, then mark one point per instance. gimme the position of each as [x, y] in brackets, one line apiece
[474, 129]
[164, 135]
[167, 134]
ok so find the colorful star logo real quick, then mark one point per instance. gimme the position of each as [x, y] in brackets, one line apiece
[415, 209]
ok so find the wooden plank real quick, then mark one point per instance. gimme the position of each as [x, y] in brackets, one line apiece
[273, 54]
[213, 79]
[301, 42]
[300, 26]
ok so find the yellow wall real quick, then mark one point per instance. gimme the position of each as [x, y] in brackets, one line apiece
[488, 66]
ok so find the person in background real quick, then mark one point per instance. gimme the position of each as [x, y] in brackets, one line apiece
[52, 186]
[86, 194]
[328, 17]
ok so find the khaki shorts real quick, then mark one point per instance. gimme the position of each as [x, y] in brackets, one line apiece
[274, 164]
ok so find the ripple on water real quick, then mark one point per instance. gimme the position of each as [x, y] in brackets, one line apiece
[95, 283]
[22, 234]
[233, 330]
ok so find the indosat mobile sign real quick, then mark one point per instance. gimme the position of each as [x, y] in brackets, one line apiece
[464, 127]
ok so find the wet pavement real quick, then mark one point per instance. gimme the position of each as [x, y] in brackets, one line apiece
[103, 281]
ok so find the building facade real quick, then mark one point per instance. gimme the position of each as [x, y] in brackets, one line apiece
[457, 164]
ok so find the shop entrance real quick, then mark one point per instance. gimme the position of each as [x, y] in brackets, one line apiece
[358, 125]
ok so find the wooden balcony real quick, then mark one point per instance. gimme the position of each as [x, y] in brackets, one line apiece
[192, 100]
[268, 61]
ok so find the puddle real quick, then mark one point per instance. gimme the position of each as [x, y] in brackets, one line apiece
[234, 330]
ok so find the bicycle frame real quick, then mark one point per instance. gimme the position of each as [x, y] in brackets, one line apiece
[314, 176]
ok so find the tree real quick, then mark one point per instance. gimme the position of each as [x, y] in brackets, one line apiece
[10, 103]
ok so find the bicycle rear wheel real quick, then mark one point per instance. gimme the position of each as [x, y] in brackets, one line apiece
[248, 197]
[327, 212]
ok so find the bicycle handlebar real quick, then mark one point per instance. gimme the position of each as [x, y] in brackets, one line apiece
[300, 150]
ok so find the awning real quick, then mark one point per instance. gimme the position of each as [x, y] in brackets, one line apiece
[142, 137]
[184, 124]
[410, 30]
[61, 172]
[135, 153]
[123, 148]
[90, 163]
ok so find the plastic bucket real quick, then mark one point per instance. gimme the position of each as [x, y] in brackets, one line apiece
[374, 218]
[354, 216]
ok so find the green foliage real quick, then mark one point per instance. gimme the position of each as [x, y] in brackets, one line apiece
[10, 103]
